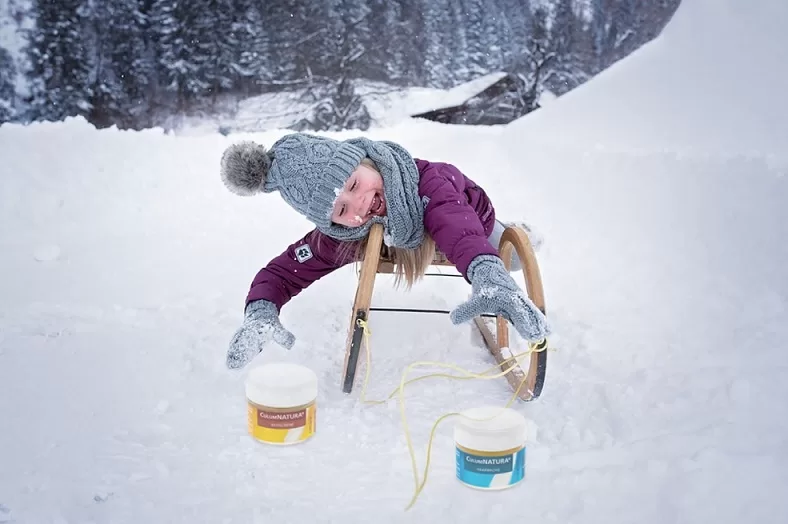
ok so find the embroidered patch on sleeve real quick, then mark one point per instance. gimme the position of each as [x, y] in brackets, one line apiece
[303, 253]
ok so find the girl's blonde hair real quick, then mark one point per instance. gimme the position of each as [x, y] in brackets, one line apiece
[409, 264]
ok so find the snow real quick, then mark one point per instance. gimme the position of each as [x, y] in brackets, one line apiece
[658, 190]
[695, 90]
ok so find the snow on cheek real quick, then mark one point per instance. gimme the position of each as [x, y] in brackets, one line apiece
[337, 192]
[357, 219]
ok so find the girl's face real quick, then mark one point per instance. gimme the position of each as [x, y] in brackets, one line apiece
[361, 198]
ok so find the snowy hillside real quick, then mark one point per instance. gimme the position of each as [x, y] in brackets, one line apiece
[711, 84]
[659, 189]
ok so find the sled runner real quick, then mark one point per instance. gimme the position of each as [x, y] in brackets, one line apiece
[377, 261]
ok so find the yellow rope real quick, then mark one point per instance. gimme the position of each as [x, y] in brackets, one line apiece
[532, 348]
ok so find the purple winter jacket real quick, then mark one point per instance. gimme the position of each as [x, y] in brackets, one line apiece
[458, 215]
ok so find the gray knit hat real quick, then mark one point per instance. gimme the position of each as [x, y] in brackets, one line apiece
[309, 172]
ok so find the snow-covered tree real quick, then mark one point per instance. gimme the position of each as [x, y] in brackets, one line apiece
[61, 61]
[513, 35]
[216, 45]
[7, 89]
[177, 35]
[287, 38]
[536, 65]
[336, 104]
[434, 42]
[126, 61]
[253, 47]
[570, 43]
[478, 50]
[598, 30]
[409, 39]
[124, 64]
[385, 58]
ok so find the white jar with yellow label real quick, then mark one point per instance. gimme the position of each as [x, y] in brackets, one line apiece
[281, 403]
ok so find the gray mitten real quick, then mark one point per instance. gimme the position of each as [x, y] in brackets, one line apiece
[494, 291]
[261, 324]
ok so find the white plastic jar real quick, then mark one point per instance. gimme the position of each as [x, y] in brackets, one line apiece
[281, 403]
[490, 447]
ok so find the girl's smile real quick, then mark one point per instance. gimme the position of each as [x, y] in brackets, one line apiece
[362, 198]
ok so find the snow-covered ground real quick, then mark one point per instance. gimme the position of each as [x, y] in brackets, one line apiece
[660, 191]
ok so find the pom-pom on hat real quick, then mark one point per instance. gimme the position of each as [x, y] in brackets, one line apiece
[244, 168]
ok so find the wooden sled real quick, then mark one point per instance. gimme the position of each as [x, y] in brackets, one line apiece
[376, 261]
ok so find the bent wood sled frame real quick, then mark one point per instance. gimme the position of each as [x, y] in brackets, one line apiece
[376, 261]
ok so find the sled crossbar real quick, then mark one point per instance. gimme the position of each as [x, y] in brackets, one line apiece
[417, 310]
[377, 261]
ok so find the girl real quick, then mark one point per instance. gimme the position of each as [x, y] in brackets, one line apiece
[343, 187]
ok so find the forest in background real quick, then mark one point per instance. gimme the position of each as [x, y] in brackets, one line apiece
[134, 63]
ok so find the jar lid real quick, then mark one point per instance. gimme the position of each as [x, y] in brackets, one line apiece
[281, 385]
[490, 429]
[491, 419]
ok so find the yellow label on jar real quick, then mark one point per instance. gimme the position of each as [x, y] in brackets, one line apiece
[281, 425]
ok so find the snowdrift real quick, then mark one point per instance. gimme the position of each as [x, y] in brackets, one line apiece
[712, 83]
[659, 191]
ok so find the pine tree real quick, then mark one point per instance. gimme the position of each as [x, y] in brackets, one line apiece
[582, 59]
[652, 15]
[474, 44]
[124, 67]
[515, 16]
[7, 90]
[537, 65]
[253, 47]
[461, 52]
[175, 27]
[61, 74]
[338, 106]
[434, 48]
[567, 39]
[623, 28]
[411, 40]
[216, 46]
[330, 32]
[598, 32]
[384, 57]
[281, 23]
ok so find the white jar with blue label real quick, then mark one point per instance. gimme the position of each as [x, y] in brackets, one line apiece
[490, 447]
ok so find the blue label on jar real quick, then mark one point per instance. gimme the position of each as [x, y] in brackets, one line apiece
[483, 471]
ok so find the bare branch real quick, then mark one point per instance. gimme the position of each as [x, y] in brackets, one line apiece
[307, 38]
[351, 25]
[384, 92]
